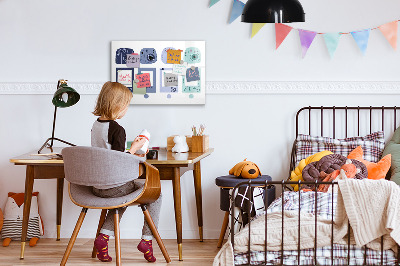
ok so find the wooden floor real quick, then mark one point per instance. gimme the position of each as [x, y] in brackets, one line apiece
[50, 252]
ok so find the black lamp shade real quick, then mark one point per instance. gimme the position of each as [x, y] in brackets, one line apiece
[273, 11]
[65, 96]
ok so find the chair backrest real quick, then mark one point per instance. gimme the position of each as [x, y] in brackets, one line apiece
[92, 166]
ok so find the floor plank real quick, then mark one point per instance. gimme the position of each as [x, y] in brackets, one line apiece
[49, 252]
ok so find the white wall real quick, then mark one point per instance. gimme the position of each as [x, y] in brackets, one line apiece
[43, 41]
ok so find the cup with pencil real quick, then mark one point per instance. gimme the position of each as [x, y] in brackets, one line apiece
[199, 140]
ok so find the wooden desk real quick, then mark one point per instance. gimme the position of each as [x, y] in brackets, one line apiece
[171, 167]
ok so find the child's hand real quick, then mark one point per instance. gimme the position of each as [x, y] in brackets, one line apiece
[137, 144]
[143, 155]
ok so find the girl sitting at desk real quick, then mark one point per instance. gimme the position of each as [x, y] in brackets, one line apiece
[112, 104]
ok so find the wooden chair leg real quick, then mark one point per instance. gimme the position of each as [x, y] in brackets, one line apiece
[117, 238]
[154, 230]
[101, 222]
[73, 237]
[223, 229]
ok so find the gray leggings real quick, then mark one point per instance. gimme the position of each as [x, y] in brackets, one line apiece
[154, 208]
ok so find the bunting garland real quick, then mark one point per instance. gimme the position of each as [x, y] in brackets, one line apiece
[256, 27]
[237, 9]
[361, 37]
[332, 41]
[306, 39]
[389, 30]
[281, 31]
[213, 2]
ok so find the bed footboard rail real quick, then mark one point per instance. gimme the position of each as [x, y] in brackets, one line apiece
[282, 257]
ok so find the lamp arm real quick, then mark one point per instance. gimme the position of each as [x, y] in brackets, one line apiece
[54, 119]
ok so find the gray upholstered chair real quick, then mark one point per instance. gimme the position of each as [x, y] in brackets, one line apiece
[85, 167]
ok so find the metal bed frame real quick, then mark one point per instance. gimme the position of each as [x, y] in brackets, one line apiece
[283, 184]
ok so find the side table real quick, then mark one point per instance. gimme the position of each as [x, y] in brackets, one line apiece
[226, 183]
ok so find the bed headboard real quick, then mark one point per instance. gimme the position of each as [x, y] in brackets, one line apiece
[344, 121]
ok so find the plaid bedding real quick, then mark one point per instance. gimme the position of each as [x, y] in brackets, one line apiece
[323, 207]
[372, 145]
[324, 257]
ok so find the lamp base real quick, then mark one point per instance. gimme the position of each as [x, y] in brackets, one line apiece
[50, 146]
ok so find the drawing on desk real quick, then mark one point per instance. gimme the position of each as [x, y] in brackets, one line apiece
[52, 155]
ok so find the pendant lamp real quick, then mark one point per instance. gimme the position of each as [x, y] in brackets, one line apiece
[64, 96]
[273, 11]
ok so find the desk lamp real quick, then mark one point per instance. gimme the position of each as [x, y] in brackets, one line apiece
[273, 11]
[64, 96]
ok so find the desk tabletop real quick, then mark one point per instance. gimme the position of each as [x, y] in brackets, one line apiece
[164, 157]
[168, 157]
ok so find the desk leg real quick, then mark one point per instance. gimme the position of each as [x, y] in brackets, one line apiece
[197, 189]
[27, 206]
[60, 190]
[176, 182]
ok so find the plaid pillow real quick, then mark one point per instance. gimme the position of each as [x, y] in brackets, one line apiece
[372, 145]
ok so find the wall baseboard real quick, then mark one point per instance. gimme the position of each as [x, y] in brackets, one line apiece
[231, 87]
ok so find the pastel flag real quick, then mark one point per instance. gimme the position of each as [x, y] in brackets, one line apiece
[281, 31]
[213, 2]
[361, 37]
[237, 9]
[389, 30]
[306, 39]
[332, 41]
[256, 27]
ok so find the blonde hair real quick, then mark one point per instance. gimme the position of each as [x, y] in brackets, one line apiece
[112, 99]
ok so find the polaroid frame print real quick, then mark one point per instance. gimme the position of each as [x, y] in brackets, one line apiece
[161, 96]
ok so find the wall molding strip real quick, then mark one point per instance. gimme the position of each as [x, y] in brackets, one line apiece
[232, 87]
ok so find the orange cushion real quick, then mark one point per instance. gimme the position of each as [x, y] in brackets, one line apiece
[375, 170]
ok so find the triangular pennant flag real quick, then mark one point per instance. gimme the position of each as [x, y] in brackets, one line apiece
[332, 41]
[390, 32]
[281, 31]
[213, 2]
[237, 9]
[256, 27]
[361, 37]
[306, 39]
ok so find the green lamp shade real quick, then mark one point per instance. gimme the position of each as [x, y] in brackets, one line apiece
[65, 96]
